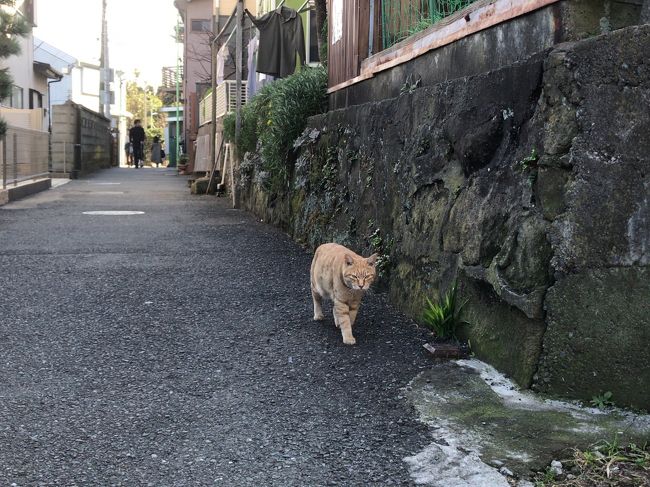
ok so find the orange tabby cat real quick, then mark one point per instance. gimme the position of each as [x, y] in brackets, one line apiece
[342, 276]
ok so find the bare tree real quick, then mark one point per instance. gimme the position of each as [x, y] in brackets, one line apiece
[203, 57]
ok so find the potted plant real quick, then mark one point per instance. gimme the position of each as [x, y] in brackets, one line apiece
[182, 164]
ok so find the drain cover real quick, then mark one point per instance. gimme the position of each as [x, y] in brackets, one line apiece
[114, 212]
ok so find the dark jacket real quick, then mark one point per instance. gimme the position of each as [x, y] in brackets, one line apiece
[281, 38]
[136, 135]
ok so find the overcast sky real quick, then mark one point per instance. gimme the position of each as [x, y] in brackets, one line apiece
[139, 31]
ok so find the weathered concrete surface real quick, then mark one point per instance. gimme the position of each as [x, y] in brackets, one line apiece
[510, 181]
[598, 335]
[200, 186]
[482, 423]
[25, 188]
[507, 43]
[599, 305]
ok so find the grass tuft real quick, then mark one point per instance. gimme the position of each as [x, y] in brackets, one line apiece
[444, 316]
[606, 463]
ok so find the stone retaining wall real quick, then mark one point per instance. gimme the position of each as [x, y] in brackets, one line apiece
[529, 184]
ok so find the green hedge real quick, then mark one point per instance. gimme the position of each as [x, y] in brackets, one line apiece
[276, 116]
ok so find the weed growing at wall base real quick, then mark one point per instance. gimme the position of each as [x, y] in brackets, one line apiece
[444, 316]
[606, 463]
[603, 400]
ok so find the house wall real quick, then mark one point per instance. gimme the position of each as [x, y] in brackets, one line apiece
[21, 67]
[196, 65]
[528, 183]
[85, 86]
[61, 91]
[226, 7]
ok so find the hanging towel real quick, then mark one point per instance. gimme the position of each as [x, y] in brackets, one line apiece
[222, 55]
[253, 46]
[281, 38]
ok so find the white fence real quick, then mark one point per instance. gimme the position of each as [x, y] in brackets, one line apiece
[226, 101]
[24, 155]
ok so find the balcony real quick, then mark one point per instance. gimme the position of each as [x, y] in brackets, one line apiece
[226, 101]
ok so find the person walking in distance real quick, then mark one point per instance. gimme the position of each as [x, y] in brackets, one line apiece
[137, 137]
[128, 152]
[156, 151]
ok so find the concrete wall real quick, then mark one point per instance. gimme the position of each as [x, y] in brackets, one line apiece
[492, 48]
[528, 183]
[81, 140]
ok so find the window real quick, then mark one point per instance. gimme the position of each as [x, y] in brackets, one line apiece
[201, 25]
[35, 99]
[16, 98]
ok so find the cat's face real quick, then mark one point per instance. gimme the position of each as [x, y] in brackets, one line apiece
[359, 274]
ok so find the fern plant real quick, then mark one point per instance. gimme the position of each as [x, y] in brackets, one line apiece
[444, 316]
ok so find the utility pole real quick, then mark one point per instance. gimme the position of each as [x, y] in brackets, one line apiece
[177, 149]
[238, 65]
[238, 62]
[214, 48]
[105, 84]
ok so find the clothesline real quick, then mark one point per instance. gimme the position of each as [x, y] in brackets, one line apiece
[303, 8]
[233, 32]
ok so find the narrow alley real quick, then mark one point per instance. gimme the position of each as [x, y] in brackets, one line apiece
[176, 347]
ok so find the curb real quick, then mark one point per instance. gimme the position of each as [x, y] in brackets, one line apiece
[15, 193]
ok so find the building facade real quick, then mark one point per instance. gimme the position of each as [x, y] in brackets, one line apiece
[197, 19]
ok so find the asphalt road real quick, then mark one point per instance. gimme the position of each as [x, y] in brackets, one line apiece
[177, 347]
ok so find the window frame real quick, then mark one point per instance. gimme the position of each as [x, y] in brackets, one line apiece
[204, 23]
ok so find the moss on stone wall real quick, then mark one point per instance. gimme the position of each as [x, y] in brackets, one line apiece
[435, 181]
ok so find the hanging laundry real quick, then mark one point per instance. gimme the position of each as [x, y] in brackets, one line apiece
[222, 56]
[263, 80]
[253, 46]
[281, 38]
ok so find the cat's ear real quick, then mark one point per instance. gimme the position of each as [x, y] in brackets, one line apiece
[372, 260]
[348, 259]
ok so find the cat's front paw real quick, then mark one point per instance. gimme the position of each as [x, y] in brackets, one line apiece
[350, 341]
[319, 317]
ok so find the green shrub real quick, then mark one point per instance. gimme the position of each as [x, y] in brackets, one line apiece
[276, 116]
[443, 317]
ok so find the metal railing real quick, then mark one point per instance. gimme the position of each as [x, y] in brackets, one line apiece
[403, 18]
[24, 155]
